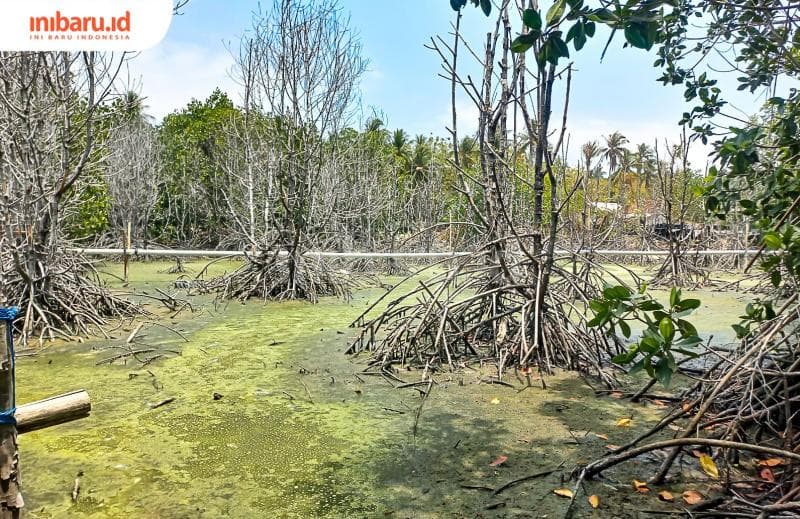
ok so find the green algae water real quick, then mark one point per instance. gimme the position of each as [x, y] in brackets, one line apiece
[296, 432]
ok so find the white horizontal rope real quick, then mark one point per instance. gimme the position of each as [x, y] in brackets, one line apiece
[411, 255]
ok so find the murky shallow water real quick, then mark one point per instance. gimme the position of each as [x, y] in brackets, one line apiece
[298, 433]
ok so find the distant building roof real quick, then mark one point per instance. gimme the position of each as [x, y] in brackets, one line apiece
[606, 206]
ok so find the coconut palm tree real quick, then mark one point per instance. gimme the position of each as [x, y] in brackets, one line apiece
[400, 147]
[625, 165]
[420, 157]
[468, 152]
[373, 124]
[645, 163]
[131, 107]
[590, 151]
[613, 154]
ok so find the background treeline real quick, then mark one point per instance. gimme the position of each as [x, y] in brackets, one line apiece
[187, 181]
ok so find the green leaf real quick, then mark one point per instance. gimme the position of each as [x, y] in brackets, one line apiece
[562, 51]
[650, 306]
[555, 12]
[688, 342]
[486, 7]
[532, 19]
[523, 42]
[457, 4]
[589, 28]
[641, 35]
[626, 330]
[603, 15]
[663, 373]
[674, 296]
[740, 330]
[773, 240]
[666, 328]
[687, 329]
[688, 304]
[598, 319]
[636, 368]
[617, 292]
[626, 357]
[576, 33]
[597, 306]
[649, 345]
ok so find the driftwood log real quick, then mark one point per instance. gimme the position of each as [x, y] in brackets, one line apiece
[53, 411]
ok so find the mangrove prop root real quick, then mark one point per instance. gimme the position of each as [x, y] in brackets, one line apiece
[60, 296]
[269, 276]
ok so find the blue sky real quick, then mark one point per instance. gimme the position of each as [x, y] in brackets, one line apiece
[619, 93]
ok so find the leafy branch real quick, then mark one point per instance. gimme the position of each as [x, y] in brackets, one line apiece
[665, 331]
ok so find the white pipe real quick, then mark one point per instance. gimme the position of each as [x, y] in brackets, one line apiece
[432, 255]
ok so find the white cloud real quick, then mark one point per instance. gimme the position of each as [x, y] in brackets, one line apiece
[467, 121]
[172, 74]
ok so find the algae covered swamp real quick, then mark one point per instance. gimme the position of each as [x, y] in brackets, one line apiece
[271, 419]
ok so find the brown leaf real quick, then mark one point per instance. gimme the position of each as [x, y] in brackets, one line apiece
[696, 453]
[772, 462]
[624, 422]
[563, 492]
[767, 475]
[665, 495]
[616, 394]
[660, 403]
[594, 501]
[601, 436]
[708, 466]
[692, 497]
[612, 447]
[686, 406]
[640, 486]
[499, 461]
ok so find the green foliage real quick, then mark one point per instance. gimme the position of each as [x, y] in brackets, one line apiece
[757, 161]
[755, 313]
[485, 5]
[639, 21]
[91, 217]
[191, 137]
[665, 331]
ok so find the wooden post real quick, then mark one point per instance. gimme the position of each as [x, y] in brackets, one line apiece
[125, 246]
[10, 497]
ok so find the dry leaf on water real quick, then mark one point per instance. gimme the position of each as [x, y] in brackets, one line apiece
[612, 447]
[624, 422]
[594, 501]
[660, 403]
[563, 492]
[767, 475]
[601, 436]
[616, 394]
[708, 466]
[499, 461]
[772, 462]
[692, 497]
[665, 495]
[640, 486]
